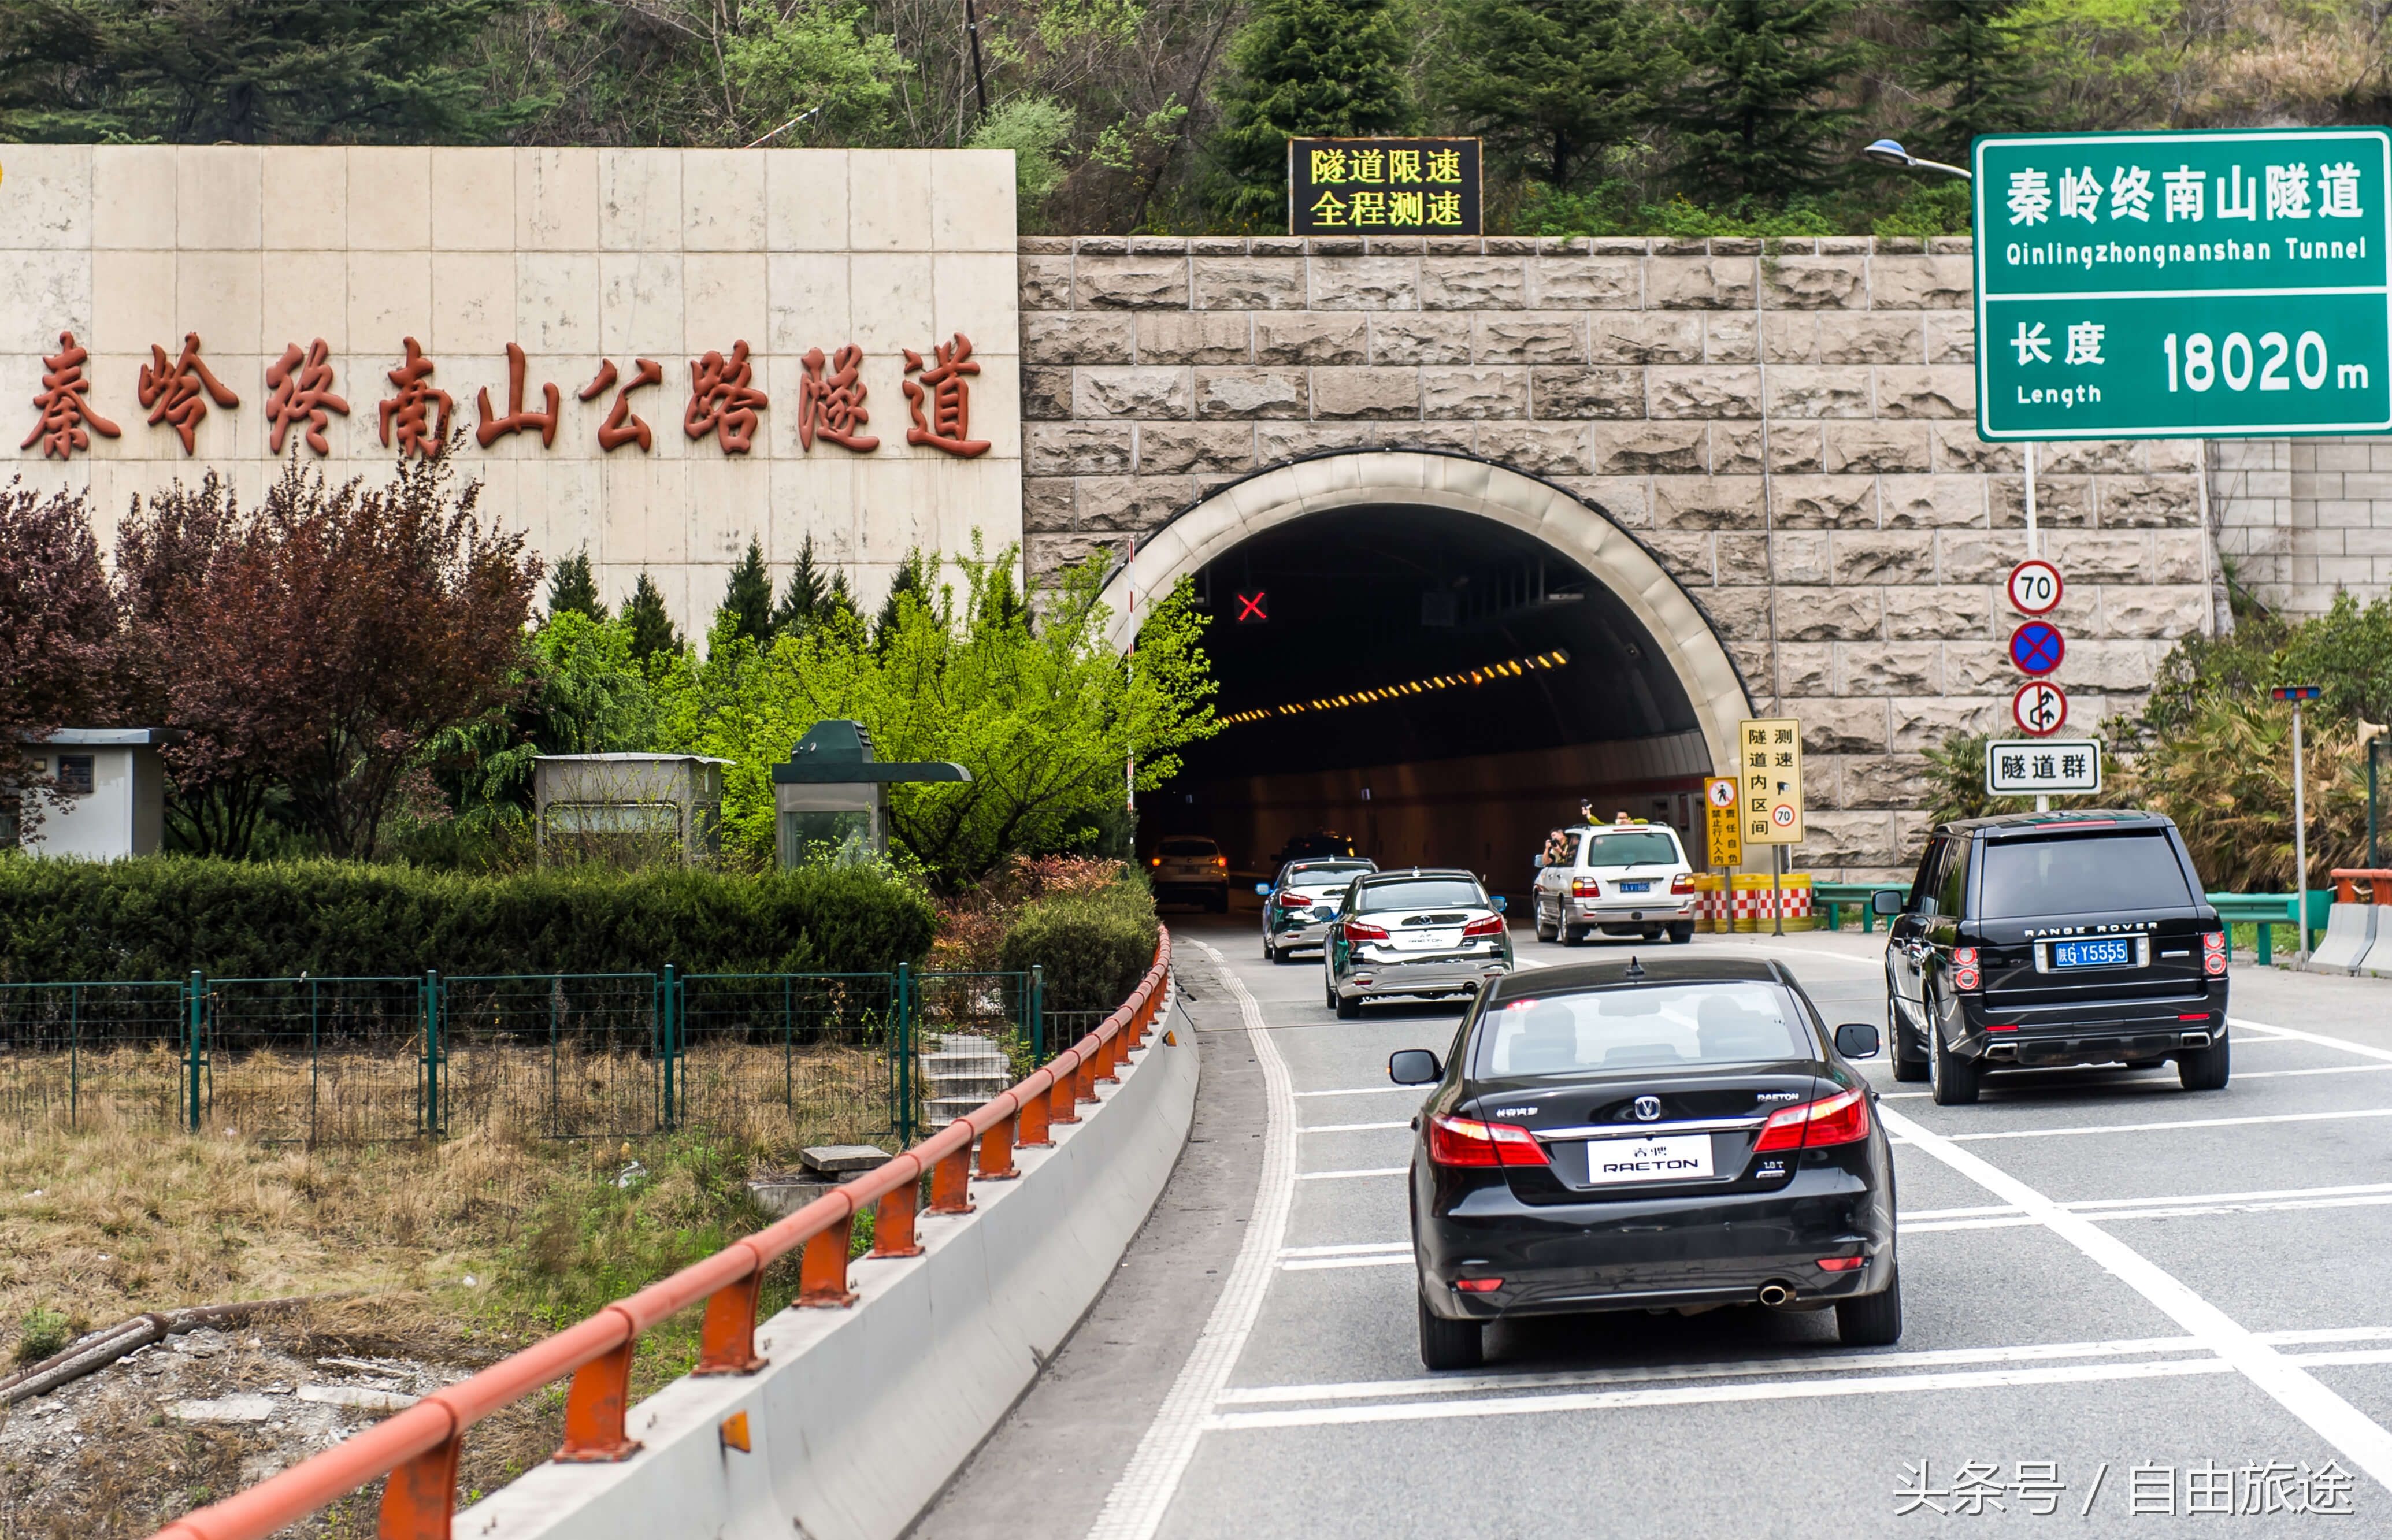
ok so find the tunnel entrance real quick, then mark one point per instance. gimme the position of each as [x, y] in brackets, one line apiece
[1442, 674]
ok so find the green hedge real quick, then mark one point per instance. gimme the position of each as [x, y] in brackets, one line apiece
[161, 917]
[1094, 947]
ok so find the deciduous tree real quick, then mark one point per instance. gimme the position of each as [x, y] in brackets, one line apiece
[58, 631]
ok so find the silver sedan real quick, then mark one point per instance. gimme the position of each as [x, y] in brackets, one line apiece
[1300, 907]
[1420, 932]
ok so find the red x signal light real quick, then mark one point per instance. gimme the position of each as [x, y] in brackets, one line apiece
[1250, 606]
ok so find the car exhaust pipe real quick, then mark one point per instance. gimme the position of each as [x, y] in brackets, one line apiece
[2195, 1040]
[1776, 1294]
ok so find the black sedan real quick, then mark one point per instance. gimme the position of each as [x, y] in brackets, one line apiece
[1672, 1135]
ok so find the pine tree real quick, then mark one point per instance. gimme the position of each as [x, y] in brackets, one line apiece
[1976, 65]
[806, 592]
[838, 605]
[1757, 118]
[1306, 67]
[652, 626]
[571, 588]
[747, 598]
[1551, 84]
[910, 579]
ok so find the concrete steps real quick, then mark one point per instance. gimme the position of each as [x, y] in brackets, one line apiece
[963, 1071]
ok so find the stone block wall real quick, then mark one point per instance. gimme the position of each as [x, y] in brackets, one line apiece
[2300, 520]
[1792, 433]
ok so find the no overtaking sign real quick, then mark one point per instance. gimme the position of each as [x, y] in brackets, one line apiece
[2184, 284]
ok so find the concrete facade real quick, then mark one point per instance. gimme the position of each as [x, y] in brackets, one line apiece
[1790, 435]
[2300, 520]
[577, 256]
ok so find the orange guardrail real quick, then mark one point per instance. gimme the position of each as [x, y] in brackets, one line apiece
[2348, 878]
[418, 1448]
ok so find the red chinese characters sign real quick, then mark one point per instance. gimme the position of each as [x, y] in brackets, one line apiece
[67, 422]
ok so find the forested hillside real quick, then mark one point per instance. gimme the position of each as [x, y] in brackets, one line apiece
[1600, 116]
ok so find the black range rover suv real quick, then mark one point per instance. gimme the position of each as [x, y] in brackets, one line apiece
[2043, 940]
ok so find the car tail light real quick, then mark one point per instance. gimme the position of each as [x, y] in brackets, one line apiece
[2213, 952]
[1683, 883]
[1478, 1285]
[1840, 1265]
[1837, 1119]
[1356, 930]
[1964, 968]
[1221, 861]
[1585, 887]
[1295, 901]
[1963, 957]
[1467, 1141]
[1492, 926]
[1154, 861]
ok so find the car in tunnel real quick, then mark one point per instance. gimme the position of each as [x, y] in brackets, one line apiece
[1622, 879]
[1674, 1135]
[2048, 939]
[1190, 869]
[1299, 908]
[1420, 931]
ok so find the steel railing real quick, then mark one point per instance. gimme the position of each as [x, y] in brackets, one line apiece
[418, 1448]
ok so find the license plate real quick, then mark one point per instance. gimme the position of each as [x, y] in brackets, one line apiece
[1681, 1158]
[1427, 941]
[1636, 887]
[2114, 952]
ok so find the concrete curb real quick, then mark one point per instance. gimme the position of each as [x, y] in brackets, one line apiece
[864, 1414]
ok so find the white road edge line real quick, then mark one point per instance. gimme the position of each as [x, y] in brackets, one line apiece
[1336, 1176]
[1134, 1507]
[1350, 1128]
[2319, 1038]
[2351, 1432]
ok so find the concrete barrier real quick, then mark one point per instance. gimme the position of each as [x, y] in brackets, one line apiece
[863, 1414]
[2349, 933]
[2378, 961]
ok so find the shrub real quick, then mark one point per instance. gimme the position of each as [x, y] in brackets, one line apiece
[1095, 946]
[42, 1333]
[2226, 777]
[161, 917]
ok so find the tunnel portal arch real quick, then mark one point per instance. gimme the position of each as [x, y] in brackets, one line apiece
[1211, 528]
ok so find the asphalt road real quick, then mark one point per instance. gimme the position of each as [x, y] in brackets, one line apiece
[2128, 1310]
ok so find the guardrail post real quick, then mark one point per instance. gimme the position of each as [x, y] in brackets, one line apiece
[892, 1221]
[420, 1496]
[195, 1005]
[1030, 1123]
[1037, 1015]
[997, 1153]
[950, 1184]
[822, 1270]
[1064, 1098]
[593, 1410]
[726, 1339]
[1083, 1077]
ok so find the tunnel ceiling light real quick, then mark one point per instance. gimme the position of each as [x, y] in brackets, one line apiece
[1381, 694]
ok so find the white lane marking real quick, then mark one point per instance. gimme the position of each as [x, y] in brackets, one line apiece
[1331, 1264]
[1915, 1216]
[2319, 1038]
[1339, 1176]
[2032, 1353]
[1350, 1128]
[2173, 1123]
[1362, 1091]
[2187, 1202]
[1134, 1507]
[1350, 1249]
[2351, 1432]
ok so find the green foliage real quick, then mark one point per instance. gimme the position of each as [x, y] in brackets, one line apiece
[2225, 774]
[909, 585]
[160, 917]
[1044, 717]
[747, 597]
[42, 1333]
[1093, 947]
[653, 632]
[580, 690]
[1608, 210]
[1036, 129]
[1306, 67]
[1552, 84]
[805, 595]
[1762, 114]
[819, 59]
[1976, 75]
[573, 590]
[1931, 209]
[2103, 63]
[250, 72]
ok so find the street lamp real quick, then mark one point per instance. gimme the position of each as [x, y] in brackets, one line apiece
[1888, 152]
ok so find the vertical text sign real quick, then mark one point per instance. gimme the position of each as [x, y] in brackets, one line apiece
[1769, 775]
[1383, 187]
[2184, 285]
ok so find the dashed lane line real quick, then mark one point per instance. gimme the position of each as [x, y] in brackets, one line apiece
[2364, 1050]
[1134, 1507]
[2351, 1432]
[1339, 1176]
[1360, 1091]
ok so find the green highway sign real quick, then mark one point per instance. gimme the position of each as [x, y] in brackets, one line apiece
[2184, 285]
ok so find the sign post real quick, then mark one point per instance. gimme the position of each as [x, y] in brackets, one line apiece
[1769, 776]
[2296, 693]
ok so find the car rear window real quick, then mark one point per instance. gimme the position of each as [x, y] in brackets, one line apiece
[1663, 1027]
[1325, 876]
[1644, 847]
[1426, 893]
[1190, 848]
[2080, 874]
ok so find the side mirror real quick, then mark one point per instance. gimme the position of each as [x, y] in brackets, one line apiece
[1857, 1040]
[1264, 888]
[1537, 862]
[1885, 901]
[1414, 1067]
[1497, 902]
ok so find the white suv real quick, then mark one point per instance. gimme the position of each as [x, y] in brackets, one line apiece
[1190, 868]
[1624, 879]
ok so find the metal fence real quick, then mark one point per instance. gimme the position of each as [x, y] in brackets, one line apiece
[822, 1058]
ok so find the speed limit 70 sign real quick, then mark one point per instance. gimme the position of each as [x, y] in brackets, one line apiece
[2035, 588]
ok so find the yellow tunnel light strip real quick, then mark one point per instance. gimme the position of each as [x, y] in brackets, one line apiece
[1381, 694]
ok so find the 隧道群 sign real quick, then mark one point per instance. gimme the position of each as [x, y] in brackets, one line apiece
[2184, 284]
[1383, 187]
[2042, 767]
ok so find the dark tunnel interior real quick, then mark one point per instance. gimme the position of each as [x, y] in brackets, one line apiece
[1438, 686]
